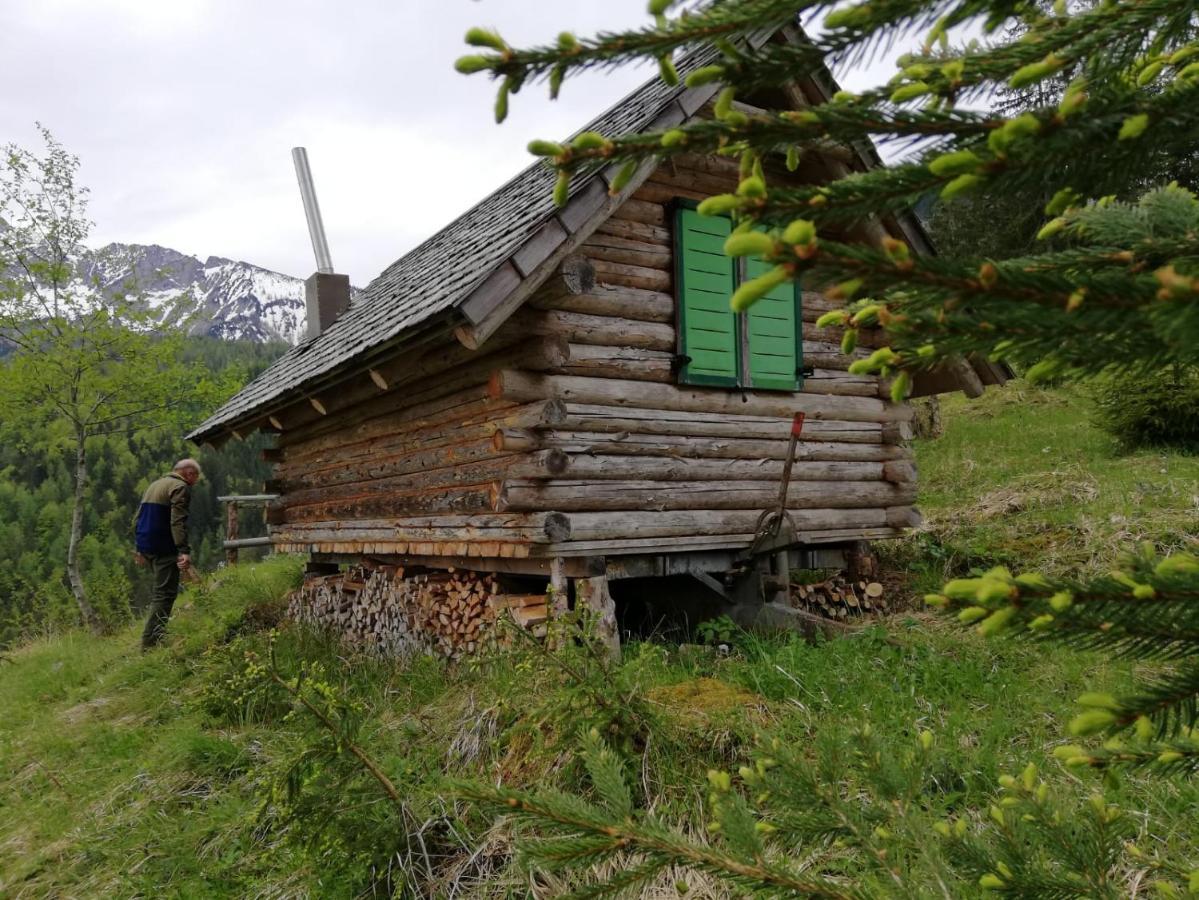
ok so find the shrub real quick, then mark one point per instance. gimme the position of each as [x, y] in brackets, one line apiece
[1152, 410]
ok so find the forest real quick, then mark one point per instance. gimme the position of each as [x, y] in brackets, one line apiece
[35, 504]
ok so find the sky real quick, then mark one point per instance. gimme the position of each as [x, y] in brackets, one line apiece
[184, 112]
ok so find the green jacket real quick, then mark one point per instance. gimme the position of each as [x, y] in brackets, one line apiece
[161, 527]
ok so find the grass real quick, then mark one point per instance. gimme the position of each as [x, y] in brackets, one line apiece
[186, 773]
[1023, 478]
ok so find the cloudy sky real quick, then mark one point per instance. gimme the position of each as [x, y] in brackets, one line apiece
[183, 113]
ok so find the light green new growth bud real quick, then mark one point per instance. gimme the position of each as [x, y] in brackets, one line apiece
[1167, 890]
[1092, 721]
[936, 600]
[972, 614]
[996, 622]
[501, 103]
[882, 833]
[659, 7]
[754, 290]
[1193, 881]
[1029, 776]
[849, 341]
[910, 92]
[1024, 125]
[926, 739]
[1061, 201]
[962, 588]
[1169, 756]
[1042, 371]
[562, 189]
[667, 71]
[1144, 592]
[764, 828]
[1038, 71]
[752, 187]
[1050, 228]
[1178, 565]
[901, 387]
[801, 231]
[844, 97]
[1068, 751]
[682, 887]
[1180, 56]
[750, 243]
[546, 148]
[1010, 802]
[955, 163]
[993, 590]
[1150, 72]
[1061, 601]
[1188, 72]
[705, 75]
[747, 774]
[589, 140]
[720, 205]
[1134, 127]
[557, 73]
[997, 815]
[1001, 573]
[482, 37]
[1145, 729]
[793, 156]
[960, 827]
[720, 781]
[724, 103]
[1097, 700]
[926, 351]
[943, 829]
[567, 42]
[1032, 580]
[1041, 623]
[1008, 782]
[468, 65]
[623, 177]
[676, 137]
[834, 318]
[960, 185]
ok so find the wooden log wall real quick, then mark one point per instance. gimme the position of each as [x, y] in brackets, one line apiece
[568, 431]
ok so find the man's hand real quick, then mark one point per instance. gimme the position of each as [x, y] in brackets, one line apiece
[184, 561]
[138, 559]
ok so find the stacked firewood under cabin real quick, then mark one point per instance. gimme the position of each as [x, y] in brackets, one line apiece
[390, 613]
[838, 597]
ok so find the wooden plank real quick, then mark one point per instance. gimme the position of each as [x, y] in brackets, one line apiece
[538, 248]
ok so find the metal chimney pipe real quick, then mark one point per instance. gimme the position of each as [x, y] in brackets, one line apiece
[312, 211]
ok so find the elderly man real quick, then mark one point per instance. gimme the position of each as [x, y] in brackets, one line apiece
[162, 541]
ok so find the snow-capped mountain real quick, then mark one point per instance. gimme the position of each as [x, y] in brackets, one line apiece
[230, 299]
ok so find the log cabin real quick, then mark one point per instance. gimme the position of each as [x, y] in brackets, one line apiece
[565, 392]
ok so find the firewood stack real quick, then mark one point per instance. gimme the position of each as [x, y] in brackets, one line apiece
[388, 613]
[839, 598]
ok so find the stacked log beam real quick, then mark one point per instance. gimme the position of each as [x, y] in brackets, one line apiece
[388, 613]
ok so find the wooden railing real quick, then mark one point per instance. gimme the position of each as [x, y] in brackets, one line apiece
[233, 539]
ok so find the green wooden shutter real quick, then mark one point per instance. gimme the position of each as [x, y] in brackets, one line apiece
[704, 279]
[775, 341]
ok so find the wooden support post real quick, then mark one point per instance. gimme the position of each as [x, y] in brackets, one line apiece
[560, 587]
[592, 593]
[231, 531]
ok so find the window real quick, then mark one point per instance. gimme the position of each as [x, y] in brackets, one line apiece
[759, 349]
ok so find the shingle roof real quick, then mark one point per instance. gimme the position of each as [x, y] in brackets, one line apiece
[440, 273]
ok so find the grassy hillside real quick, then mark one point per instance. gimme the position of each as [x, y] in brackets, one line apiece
[188, 772]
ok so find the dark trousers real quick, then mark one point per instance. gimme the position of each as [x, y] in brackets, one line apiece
[165, 569]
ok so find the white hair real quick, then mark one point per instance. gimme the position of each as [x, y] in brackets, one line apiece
[187, 464]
